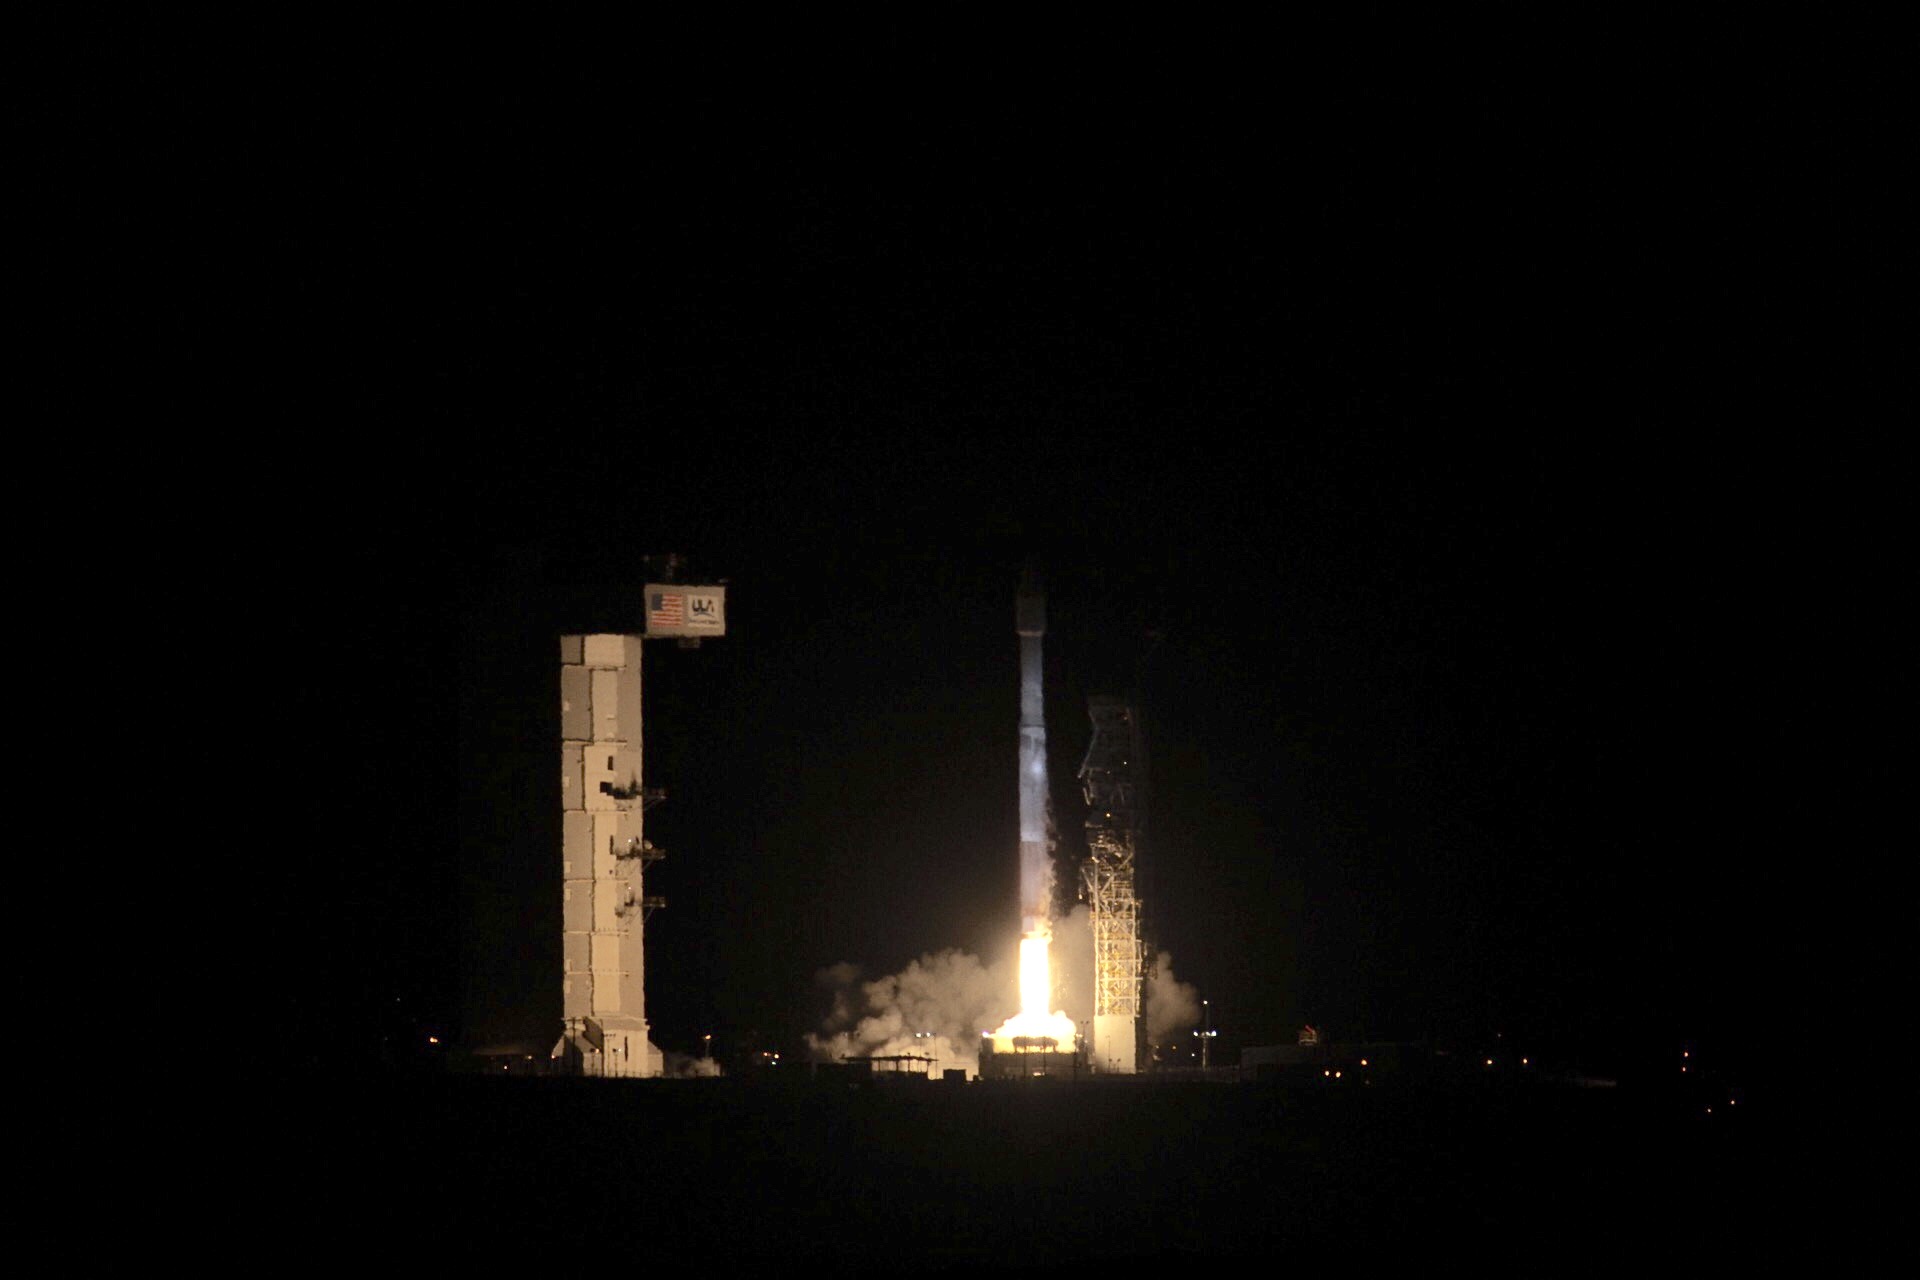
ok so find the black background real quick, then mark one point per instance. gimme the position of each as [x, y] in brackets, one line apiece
[1436, 427]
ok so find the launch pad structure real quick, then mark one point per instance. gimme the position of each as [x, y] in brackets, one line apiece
[1031, 1058]
[604, 851]
[604, 854]
[1111, 779]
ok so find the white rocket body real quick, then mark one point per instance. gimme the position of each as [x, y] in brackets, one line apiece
[1036, 864]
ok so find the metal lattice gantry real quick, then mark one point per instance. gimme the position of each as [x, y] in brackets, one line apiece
[1111, 780]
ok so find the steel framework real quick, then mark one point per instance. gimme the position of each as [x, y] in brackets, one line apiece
[1111, 781]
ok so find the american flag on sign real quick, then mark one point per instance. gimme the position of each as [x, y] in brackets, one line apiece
[666, 609]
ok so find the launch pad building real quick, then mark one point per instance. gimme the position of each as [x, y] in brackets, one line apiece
[603, 856]
[604, 851]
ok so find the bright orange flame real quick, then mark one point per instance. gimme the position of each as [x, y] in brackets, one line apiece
[1036, 975]
[1036, 993]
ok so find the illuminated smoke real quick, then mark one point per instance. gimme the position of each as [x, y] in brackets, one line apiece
[936, 1007]
[1073, 963]
[1172, 1005]
[948, 999]
[1037, 1016]
[681, 1066]
[939, 1005]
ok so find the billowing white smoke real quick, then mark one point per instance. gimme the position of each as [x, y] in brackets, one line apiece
[680, 1066]
[1073, 964]
[939, 1005]
[1172, 1005]
[936, 1007]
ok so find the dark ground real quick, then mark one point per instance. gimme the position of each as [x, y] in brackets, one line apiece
[928, 1177]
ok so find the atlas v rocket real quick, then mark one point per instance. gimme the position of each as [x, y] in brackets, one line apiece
[1036, 862]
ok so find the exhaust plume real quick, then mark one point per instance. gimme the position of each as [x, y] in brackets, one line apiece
[1172, 1005]
[936, 1007]
[939, 1005]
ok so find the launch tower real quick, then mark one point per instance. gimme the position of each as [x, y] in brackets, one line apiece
[604, 852]
[1111, 779]
[603, 856]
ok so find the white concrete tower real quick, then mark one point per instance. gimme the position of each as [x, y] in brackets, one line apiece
[603, 857]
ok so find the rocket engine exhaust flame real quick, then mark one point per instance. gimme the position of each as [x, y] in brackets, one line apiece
[943, 1003]
[1036, 993]
[1036, 977]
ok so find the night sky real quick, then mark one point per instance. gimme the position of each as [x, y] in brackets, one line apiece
[1428, 450]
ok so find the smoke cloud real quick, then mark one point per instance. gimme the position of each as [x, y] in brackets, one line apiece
[681, 1066]
[940, 1004]
[936, 1007]
[1072, 955]
[1172, 1005]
